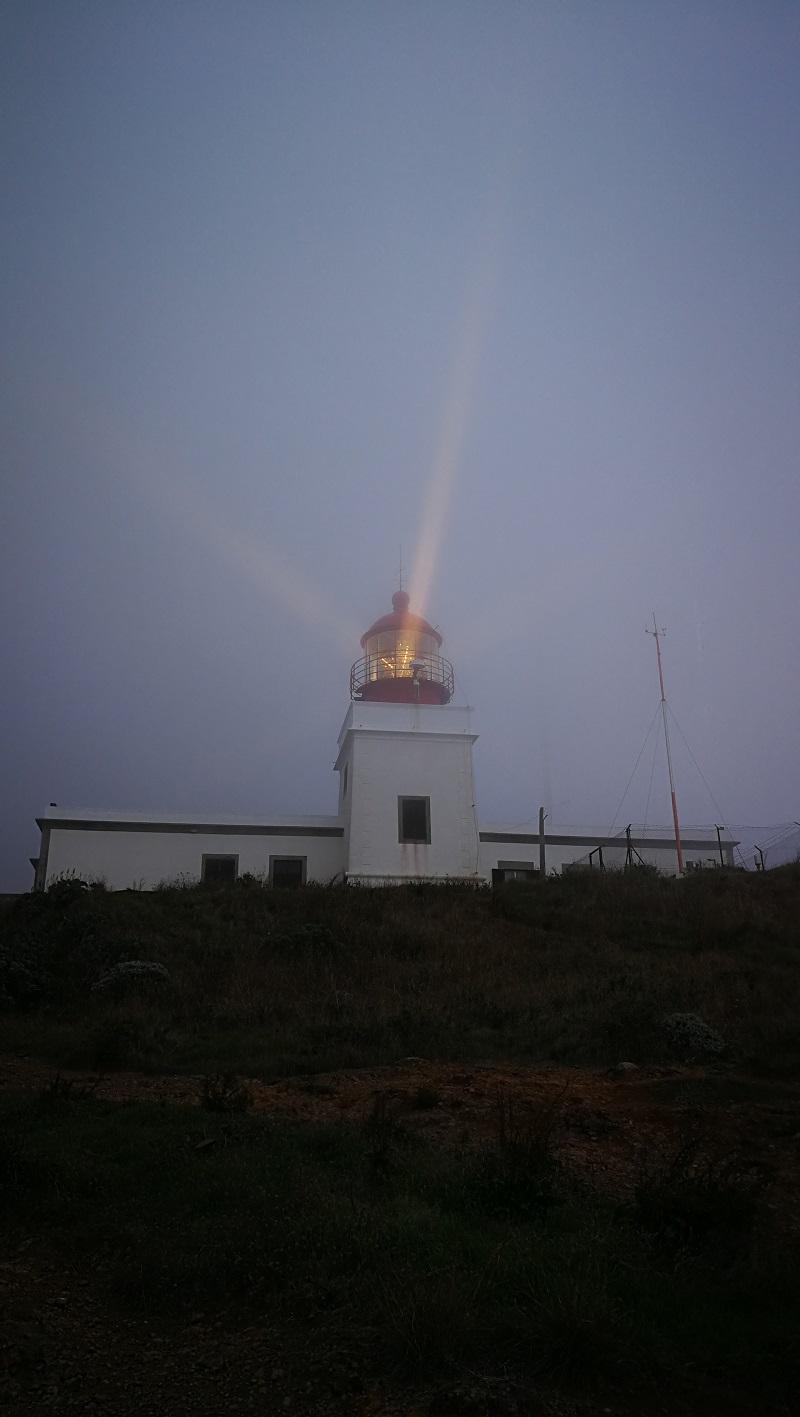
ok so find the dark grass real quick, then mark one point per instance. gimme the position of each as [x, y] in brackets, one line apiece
[578, 969]
[490, 1260]
[484, 1258]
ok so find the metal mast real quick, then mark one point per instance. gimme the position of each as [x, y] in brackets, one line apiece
[655, 633]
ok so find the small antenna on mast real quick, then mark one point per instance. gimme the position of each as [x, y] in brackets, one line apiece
[400, 572]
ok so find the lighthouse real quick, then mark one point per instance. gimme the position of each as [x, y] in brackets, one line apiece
[406, 783]
[406, 809]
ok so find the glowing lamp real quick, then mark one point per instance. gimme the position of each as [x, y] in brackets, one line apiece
[401, 663]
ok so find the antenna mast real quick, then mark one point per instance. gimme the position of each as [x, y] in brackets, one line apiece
[655, 633]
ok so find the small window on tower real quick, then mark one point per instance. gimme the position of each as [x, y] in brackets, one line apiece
[344, 780]
[287, 870]
[414, 818]
[219, 868]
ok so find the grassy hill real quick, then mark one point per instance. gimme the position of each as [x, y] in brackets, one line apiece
[492, 1253]
[577, 969]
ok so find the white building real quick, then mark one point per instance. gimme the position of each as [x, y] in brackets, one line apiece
[406, 802]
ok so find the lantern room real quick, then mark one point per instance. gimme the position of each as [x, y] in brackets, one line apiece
[401, 663]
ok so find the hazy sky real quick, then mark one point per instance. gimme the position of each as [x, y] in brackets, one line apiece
[289, 285]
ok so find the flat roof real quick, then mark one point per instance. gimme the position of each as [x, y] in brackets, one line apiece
[225, 824]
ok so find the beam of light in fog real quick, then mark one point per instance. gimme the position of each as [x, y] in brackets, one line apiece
[256, 562]
[250, 556]
[265, 568]
[471, 338]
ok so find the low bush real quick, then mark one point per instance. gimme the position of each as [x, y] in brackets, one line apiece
[132, 973]
[518, 1176]
[698, 1191]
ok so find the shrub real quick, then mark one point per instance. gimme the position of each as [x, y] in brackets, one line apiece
[24, 981]
[698, 1190]
[519, 1176]
[132, 972]
[690, 1035]
[66, 889]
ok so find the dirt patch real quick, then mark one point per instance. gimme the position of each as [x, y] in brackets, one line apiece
[606, 1119]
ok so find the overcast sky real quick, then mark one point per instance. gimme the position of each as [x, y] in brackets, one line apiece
[287, 286]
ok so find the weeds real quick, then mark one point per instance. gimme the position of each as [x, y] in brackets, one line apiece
[13, 1164]
[697, 1192]
[518, 1176]
[430, 1317]
[225, 1092]
[580, 969]
[194, 1210]
[494, 1253]
[574, 1328]
[61, 1090]
[385, 1137]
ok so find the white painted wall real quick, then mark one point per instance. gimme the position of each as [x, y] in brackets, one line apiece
[144, 855]
[406, 750]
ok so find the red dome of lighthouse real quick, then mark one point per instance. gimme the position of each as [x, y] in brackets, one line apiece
[401, 662]
[401, 619]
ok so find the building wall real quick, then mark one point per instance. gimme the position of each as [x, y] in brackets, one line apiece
[143, 855]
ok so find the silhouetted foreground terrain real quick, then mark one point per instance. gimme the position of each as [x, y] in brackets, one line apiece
[353, 1151]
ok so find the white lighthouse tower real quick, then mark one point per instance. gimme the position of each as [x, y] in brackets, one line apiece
[406, 784]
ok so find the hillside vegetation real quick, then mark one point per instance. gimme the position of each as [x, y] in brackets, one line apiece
[578, 969]
[486, 1238]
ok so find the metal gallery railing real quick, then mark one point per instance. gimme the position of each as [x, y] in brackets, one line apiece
[372, 667]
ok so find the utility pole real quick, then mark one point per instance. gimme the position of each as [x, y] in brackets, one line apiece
[719, 831]
[542, 851]
[655, 633]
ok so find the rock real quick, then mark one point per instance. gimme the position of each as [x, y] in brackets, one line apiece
[621, 1070]
[690, 1034]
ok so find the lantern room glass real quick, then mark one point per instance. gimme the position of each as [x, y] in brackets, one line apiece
[390, 653]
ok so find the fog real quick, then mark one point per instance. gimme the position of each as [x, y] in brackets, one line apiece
[295, 293]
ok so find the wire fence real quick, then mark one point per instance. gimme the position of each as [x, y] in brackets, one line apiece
[704, 846]
[762, 848]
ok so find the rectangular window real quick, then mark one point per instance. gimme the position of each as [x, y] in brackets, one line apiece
[513, 871]
[344, 781]
[219, 868]
[287, 870]
[414, 818]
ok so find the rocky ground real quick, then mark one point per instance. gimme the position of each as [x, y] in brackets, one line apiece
[63, 1349]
